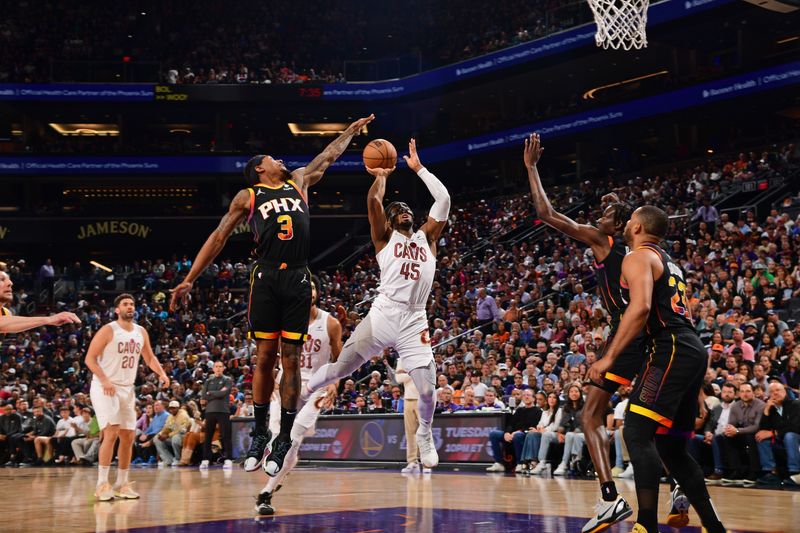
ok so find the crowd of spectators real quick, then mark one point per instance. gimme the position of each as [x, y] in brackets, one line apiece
[284, 42]
[506, 318]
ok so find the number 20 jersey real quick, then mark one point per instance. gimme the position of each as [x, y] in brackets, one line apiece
[281, 223]
[120, 357]
[407, 269]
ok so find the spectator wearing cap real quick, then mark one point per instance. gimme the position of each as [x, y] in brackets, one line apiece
[170, 439]
[716, 361]
[525, 418]
[779, 429]
[748, 353]
[505, 378]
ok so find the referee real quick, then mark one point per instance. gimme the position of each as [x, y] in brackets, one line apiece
[216, 391]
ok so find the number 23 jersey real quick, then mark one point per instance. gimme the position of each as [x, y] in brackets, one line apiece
[670, 308]
[407, 269]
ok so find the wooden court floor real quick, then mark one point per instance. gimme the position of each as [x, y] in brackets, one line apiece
[344, 500]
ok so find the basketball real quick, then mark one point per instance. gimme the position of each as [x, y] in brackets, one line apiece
[380, 153]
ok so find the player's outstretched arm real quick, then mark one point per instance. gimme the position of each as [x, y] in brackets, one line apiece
[580, 232]
[237, 212]
[378, 226]
[440, 210]
[638, 272]
[152, 361]
[307, 176]
[18, 324]
[103, 336]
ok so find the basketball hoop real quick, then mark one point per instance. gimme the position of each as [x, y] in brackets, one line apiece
[620, 23]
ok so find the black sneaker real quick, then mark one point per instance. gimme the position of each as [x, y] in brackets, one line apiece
[258, 448]
[264, 504]
[274, 460]
[769, 479]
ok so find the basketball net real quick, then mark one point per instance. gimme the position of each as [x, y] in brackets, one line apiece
[620, 23]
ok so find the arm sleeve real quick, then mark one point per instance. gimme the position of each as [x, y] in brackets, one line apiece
[440, 209]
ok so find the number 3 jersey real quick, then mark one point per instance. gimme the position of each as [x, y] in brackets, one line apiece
[317, 349]
[120, 357]
[281, 223]
[669, 309]
[407, 269]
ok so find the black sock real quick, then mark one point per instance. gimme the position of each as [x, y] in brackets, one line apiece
[287, 421]
[609, 491]
[261, 414]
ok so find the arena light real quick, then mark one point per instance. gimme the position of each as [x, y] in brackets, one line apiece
[85, 129]
[320, 129]
[788, 40]
[589, 95]
[100, 266]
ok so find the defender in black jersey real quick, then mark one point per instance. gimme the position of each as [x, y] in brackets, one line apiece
[275, 207]
[664, 403]
[609, 250]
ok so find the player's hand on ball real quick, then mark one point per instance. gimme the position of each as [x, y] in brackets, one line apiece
[533, 150]
[380, 172]
[412, 159]
[360, 123]
[65, 317]
[180, 293]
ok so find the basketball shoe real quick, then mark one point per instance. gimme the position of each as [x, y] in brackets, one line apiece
[258, 448]
[679, 509]
[126, 492]
[608, 514]
[277, 455]
[104, 492]
[264, 504]
[427, 448]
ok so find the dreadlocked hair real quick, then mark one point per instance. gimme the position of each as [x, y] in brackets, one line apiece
[622, 213]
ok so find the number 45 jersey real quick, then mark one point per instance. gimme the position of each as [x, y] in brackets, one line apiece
[407, 269]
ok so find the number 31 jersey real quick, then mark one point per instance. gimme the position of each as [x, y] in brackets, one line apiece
[120, 357]
[280, 223]
[407, 269]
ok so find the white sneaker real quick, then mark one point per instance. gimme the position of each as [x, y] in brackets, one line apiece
[561, 470]
[496, 467]
[426, 470]
[411, 468]
[607, 514]
[628, 473]
[162, 464]
[104, 492]
[126, 491]
[427, 448]
[204, 464]
[539, 468]
[227, 465]
[176, 464]
[519, 468]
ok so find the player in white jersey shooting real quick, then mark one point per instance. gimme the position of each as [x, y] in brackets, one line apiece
[323, 345]
[113, 358]
[407, 260]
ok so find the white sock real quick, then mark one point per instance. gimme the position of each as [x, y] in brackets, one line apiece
[102, 474]
[122, 476]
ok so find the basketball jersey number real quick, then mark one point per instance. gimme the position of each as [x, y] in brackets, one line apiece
[128, 360]
[286, 232]
[679, 301]
[410, 270]
[305, 360]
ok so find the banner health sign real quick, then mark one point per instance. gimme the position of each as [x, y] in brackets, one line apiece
[458, 438]
[706, 93]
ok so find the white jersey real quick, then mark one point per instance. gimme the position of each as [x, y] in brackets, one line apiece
[317, 349]
[120, 357]
[407, 269]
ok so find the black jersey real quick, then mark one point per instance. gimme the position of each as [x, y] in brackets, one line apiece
[280, 223]
[609, 276]
[670, 307]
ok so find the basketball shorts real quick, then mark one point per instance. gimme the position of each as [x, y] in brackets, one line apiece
[625, 367]
[119, 409]
[670, 380]
[393, 325]
[279, 304]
